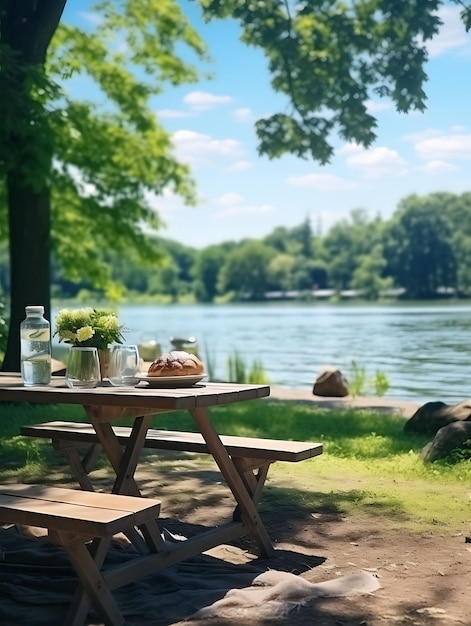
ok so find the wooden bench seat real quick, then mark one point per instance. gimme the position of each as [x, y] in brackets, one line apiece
[72, 518]
[247, 447]
[251, 456]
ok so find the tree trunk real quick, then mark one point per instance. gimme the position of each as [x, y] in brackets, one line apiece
[29, 228]
[27, 28]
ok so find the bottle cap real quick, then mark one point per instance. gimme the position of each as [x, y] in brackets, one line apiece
[34, 310]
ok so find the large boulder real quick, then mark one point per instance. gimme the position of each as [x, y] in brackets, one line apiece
[448, 438]
[432, 416]
[330, 382]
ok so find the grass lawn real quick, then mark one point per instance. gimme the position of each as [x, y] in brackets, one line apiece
[369, 464]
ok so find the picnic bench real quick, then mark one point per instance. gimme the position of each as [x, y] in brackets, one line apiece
[251, 456]
[83, 523]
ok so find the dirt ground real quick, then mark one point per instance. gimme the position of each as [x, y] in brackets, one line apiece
[424, 578]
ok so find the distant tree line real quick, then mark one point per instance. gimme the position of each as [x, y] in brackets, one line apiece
[423, 250]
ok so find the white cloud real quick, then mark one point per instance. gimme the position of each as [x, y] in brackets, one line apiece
[243, 115]
[455, 146]
[324, 182]
[229, 198]
[198, 148]
[452, 35]
[438, 167]
[421, 135]
[203, 101]
[377, 162]
[244, 209]
[175, 215]
[239, 166]
[349, 148]
[171, 207]
[235, 204]
[172, 114]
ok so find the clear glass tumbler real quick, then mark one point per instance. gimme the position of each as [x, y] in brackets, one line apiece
[124, 365]
[83, 368]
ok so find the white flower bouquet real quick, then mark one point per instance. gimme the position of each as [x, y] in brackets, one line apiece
[88, 327]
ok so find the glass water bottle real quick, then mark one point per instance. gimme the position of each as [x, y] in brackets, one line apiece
[35, 337]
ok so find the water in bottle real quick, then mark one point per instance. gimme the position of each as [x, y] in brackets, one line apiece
[35, 337]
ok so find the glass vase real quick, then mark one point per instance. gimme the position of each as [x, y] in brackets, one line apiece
[83, 368]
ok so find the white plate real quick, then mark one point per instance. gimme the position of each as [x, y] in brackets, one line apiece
[171, 381]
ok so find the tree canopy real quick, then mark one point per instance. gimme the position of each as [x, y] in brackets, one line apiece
[79, 174]
[330, 58]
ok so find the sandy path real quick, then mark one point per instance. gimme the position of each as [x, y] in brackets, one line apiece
[386, 405]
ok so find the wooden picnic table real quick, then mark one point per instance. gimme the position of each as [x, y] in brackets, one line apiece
[106, 404]
[242, 465]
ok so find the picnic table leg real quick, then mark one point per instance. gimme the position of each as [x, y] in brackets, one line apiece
[80, 604]
[92, 585]
[130, 458]
[77, 464]
[124, 465]
[249, 513]
[253, 482]
[125, 476]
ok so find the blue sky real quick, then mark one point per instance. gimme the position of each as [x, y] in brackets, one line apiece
[244, 195]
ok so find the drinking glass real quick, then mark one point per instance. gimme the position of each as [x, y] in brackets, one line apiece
[124, 365]
[83, 368]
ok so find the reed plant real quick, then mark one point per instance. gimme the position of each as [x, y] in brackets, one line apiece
[238, 371]
[359, 384]
[236, 368]
[209, 363]
[257, 375]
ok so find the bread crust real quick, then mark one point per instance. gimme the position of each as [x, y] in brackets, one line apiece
[176, 363]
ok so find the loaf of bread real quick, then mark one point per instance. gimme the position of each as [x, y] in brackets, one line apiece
[176, 363]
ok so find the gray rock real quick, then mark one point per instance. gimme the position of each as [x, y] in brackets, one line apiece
[432, 416]
[331, 382]
[447, 439]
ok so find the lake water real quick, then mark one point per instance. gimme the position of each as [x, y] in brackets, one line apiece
[424, 350]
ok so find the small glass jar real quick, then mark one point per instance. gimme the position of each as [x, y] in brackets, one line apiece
[124, 366]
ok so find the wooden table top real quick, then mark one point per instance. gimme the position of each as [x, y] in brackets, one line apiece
[202, 394]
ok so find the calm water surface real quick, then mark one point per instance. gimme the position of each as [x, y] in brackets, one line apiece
[424, 350]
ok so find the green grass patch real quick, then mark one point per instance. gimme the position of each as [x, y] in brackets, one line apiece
[25, 457]
[369, 465]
